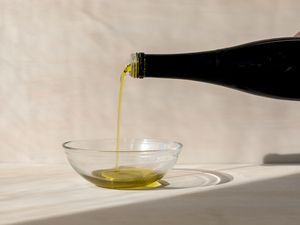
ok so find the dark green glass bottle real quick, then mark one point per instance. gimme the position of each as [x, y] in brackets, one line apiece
[268, 68]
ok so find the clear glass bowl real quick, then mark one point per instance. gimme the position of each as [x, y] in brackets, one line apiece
[138, 163]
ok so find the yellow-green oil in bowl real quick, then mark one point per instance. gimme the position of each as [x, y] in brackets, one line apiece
[125, 178]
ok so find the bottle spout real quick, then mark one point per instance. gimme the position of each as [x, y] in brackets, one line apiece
[137, 65]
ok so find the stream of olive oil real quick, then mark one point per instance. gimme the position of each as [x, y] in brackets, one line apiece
[122, 82]
[122, 177]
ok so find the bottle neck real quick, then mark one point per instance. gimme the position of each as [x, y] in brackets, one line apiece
[187, 65]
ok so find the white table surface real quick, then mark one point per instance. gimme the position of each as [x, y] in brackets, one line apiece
[37, 194]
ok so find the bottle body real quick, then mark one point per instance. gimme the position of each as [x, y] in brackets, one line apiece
[269, 68]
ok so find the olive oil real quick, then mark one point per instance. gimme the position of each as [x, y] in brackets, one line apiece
[122, 82]
[126, 178]
[122, 177]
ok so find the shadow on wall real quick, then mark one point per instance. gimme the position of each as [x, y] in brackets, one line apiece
[274, 201]
[281, 158]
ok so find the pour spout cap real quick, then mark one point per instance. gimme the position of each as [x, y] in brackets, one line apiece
[137, 63]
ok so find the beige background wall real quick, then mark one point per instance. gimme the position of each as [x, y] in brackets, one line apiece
[60, 63]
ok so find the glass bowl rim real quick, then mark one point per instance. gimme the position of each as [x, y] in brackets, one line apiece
[157, 140]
